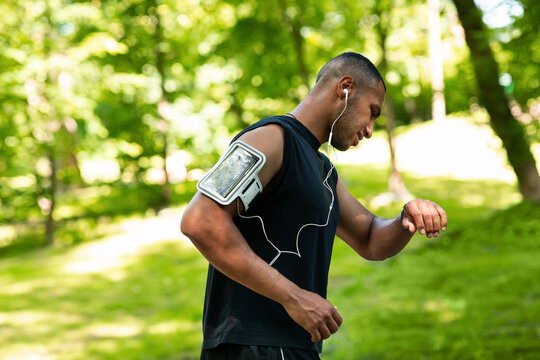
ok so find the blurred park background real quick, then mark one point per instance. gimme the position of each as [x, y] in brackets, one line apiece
[111, 110]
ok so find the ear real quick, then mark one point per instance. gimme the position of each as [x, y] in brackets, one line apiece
[345, 82]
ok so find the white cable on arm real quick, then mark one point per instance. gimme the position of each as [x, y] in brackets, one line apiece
[263, 228]
[325, 184]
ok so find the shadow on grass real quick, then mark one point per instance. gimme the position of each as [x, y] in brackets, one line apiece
[148, 308]
[88, 213]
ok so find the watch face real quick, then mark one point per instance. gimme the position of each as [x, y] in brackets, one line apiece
[230, 171]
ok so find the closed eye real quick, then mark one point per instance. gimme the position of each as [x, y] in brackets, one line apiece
[375, 111]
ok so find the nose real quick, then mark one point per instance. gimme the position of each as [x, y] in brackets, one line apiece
[368, 131]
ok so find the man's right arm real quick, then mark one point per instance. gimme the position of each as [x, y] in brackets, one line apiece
[210, 227]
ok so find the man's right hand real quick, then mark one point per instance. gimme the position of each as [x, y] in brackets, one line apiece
[316, 315]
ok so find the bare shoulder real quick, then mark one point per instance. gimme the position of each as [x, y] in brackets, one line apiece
[268, 139]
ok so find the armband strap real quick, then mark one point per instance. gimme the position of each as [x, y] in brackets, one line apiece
[236, 174]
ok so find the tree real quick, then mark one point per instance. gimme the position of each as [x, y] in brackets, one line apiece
[45, 105]
[396, 186]
[435, 56]
[136, 101]
[520, 45]
[491, 95]
[164, 100]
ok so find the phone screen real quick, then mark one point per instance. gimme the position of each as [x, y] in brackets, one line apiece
[230, 171]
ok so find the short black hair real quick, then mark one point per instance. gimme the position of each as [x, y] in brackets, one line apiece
[359, 67]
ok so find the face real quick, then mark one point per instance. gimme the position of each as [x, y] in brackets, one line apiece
[358, 119]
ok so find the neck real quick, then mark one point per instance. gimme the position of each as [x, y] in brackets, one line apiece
[313, 113]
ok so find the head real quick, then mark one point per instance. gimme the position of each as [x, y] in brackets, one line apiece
[365, 86]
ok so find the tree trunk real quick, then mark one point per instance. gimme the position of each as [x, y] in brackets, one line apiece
[49, 223]
[299, 45]
[491, 95]
[438, 106]
[237, 109]
[396, 186]
[163, 104]
[295, 25]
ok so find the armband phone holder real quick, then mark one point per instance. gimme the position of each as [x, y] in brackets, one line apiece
[236, 174]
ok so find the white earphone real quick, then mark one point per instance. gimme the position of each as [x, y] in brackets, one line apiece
[330, 206]
[346, 91]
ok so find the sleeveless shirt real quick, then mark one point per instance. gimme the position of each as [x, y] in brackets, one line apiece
[300, 252]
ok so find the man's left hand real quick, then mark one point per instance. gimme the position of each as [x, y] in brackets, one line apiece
[425, 216]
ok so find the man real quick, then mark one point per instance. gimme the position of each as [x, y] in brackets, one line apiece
[269, 257]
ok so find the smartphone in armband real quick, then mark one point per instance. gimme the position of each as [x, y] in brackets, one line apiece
[236, 174]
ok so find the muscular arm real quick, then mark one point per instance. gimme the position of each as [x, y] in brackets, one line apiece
[376, 238]
[210, 227]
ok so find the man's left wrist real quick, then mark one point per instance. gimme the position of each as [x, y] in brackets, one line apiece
[402, 215]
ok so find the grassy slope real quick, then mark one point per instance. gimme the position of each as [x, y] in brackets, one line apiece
[471, 294]
[474, 294]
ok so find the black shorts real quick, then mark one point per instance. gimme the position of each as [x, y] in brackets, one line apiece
[253, 352]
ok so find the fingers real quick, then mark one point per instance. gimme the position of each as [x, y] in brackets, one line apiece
[334, 322]
[324, 331]
[337, 318]
[413, 210]
[433, 213]
[428, 217]
[431, 218]
[436, 223]
[327, 326]
[315, 335]
[442, 214]
[315, 314]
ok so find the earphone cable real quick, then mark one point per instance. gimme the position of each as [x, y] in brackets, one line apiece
[325, 184]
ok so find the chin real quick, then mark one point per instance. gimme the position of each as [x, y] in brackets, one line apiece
[341, 145]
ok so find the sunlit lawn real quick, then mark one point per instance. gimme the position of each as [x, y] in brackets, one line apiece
[473, 294]
[145, 305]
[137, 292]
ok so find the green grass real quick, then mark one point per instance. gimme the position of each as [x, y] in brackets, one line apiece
[471, 294]
[462, 200]
[148, 307]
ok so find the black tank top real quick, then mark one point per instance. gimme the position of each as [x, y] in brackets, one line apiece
[235, 314]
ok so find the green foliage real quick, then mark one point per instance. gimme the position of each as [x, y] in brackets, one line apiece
[82, 81]
[521, 50]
